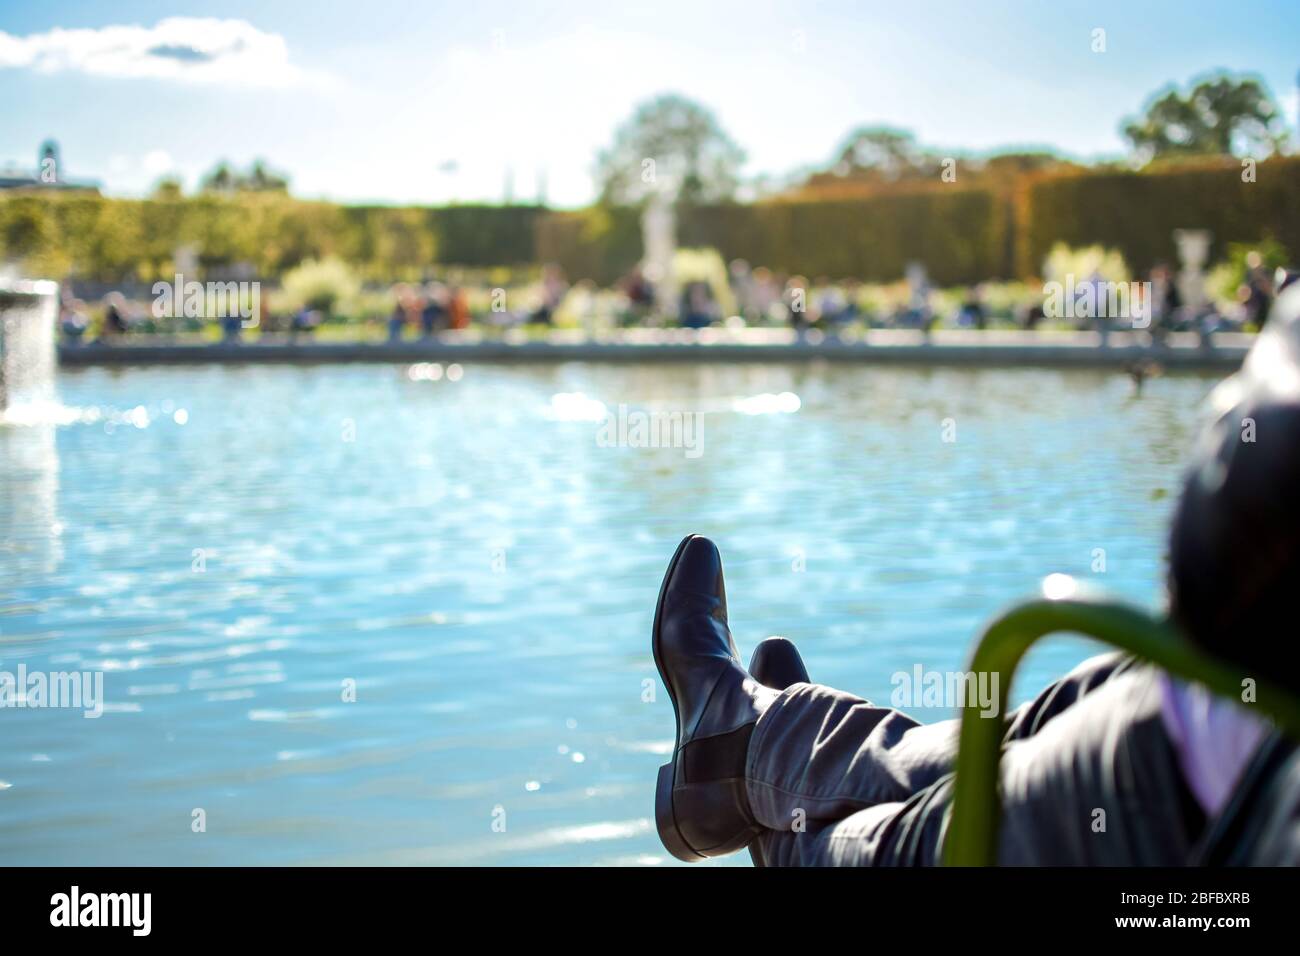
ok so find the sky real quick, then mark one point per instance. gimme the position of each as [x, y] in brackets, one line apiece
[430, 102]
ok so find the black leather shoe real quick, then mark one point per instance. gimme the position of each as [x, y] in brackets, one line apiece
[701, 805]
[776, 664]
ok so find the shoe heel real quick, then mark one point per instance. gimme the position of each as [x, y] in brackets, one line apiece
[666, 823]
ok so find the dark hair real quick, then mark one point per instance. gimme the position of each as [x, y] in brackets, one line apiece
[1234, 567]
[1235, 546]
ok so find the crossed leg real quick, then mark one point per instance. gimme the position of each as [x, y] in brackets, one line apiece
[836, 781]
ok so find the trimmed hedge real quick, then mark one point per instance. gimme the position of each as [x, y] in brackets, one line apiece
[483, 235]
[98, 238]
[963, 235]
[958, 234]
[600, 243]
[1138, 212]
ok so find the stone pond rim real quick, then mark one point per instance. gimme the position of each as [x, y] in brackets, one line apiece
[976, 350]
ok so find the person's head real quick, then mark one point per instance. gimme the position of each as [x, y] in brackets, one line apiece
[1234, 573]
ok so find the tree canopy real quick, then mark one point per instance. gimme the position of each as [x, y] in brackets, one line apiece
[1221, 115]
[885, 154]
[224, 178]
[673, 146]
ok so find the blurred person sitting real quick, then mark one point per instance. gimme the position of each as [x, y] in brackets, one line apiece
[305, 322]
[1257, 291]
[554, 288]
[435, 316]
[405, 307]
[827, 303]
[699, 309]
[232, 327]
[1095, 285]
[918, 313]
[971, 314]
[73, 320]
[852, 310]
[1032, 316]
[765, 296]
[458, 315]
[117, 320]
[1166, 301]
[743, 289]
[640, 293]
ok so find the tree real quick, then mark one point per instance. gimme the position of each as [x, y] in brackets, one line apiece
[886, 154]
[220, 180]
[869, 159]
[670, 145]
[167, 188]
[261, 179]
[1012, 164]
[226, 179]
[1221, 115]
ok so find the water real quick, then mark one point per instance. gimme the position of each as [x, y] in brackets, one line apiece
[233, 546]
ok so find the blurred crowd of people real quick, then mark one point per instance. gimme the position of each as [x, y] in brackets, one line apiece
[438, 307]
[737, 296]
[428, 309]
[1166, 310]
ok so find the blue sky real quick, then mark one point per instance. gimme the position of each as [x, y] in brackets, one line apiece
[432, 102]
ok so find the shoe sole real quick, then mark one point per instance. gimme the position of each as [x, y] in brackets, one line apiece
[665, 819]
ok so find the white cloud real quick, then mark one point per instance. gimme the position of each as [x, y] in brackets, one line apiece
[191, 49]
[157, 162]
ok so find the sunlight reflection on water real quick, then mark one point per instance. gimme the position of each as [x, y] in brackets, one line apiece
[481, 572]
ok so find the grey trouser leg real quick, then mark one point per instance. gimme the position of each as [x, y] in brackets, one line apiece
[1088, 777]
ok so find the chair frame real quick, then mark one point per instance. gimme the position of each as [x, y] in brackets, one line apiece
[972, 829]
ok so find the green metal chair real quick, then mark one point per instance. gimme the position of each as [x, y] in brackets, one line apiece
[972, 838]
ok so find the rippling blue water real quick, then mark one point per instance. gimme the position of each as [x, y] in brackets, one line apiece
[470, 555]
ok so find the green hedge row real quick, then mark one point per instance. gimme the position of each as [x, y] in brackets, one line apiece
[958, 234]
[955, 232]
[599, 243]
[104, 239]
[1138, 212]
[962, 235]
